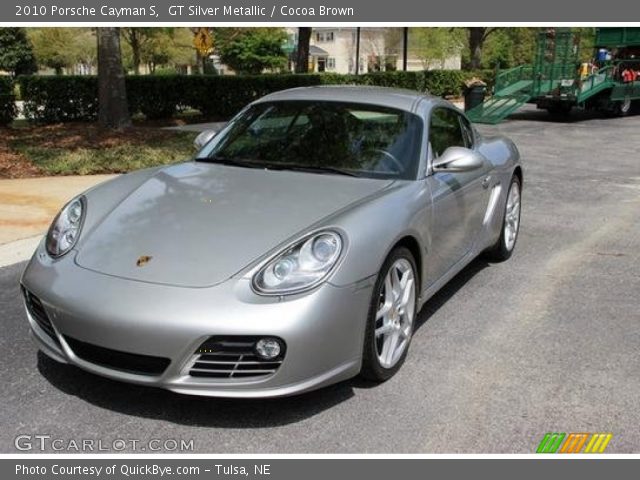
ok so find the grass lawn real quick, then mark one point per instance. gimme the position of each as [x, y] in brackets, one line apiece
[84, 149]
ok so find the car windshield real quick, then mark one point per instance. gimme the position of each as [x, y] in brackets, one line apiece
[321, 136]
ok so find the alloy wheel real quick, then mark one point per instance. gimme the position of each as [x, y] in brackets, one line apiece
[395, 313]
[512, 216]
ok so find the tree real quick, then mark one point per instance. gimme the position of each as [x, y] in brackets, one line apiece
[251, 50]
[16, 52]
[433, 46]
[113, 111]
[509, 47]
[477, 36]
[302, 52]
[177, 48]
[140, 39]
[51, 47]
[63, 48]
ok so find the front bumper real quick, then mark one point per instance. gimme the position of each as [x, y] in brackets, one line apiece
[323, 329]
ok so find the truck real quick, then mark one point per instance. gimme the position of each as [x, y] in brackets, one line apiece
[558, 82]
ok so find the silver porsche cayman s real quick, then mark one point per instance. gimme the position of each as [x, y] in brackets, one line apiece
[294, 251]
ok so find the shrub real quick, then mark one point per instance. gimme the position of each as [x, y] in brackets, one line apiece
[7, 101]
[52, 99]
[67, 98]
[154, 96]
[224, 96]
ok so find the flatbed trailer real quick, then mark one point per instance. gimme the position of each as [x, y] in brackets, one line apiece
[557, 82]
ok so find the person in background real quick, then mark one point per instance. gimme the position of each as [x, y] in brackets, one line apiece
[628, 75]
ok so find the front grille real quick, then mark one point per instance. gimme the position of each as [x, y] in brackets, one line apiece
[39, 314]
[118, 360]
[233, 357]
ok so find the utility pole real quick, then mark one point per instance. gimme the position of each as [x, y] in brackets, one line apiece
[405, 47]
[357, 50]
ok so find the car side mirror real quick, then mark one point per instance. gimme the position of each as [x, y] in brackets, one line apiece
[457, 159]
[203, 138]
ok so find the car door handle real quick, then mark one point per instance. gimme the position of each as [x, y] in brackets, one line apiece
[486, 181]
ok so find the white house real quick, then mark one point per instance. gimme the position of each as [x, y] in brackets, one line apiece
[333, 49]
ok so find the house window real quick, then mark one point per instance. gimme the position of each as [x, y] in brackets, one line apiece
[331, 63]
[324, 37]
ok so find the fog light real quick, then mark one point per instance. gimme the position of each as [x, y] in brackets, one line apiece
[268, 348]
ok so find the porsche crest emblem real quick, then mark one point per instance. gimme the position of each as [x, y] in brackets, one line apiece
[143, 260]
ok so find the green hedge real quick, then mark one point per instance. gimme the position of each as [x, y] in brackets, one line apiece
[67, 98]
[52, 99]
[7, 101]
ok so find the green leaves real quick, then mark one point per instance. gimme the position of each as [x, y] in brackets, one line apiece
[7, 101]
[51, 99]
[16, 52]
[251, 50]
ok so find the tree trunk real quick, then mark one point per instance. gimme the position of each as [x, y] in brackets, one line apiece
[302, 53]
[477, 36]
[135, 52]
[113, 111]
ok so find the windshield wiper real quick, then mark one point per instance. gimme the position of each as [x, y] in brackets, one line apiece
[310, 168]
[230, 161]
[276, 166]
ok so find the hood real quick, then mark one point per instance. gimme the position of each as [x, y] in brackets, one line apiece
[201, 223]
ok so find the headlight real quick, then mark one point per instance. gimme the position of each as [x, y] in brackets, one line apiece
[65, 229]
[301, 266]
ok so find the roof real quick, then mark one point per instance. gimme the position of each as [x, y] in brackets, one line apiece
[387, 97]
[317, 51]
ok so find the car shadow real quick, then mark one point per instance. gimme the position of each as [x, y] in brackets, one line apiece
[159, 404]
[449, 290]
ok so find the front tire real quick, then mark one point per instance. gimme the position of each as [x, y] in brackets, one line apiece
[391, 317]
[503, 248]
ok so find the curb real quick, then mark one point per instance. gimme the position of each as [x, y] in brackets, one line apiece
[18, 251]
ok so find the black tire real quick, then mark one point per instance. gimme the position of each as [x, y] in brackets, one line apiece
[371, 367]
[560, 111]
[499, 252]
[618, 108]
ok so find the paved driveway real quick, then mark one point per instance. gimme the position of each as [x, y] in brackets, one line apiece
[545, 342]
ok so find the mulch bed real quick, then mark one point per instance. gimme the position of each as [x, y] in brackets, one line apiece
[68, 136]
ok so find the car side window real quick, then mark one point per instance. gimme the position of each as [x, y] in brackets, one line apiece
[467, 131]
[445, 131]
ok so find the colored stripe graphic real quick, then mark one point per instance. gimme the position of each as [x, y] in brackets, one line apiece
[550, 443]
[598, 443]
[574, 442]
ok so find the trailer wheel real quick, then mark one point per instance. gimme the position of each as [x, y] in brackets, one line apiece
[623, 108]
[559, 110]
[618, 108]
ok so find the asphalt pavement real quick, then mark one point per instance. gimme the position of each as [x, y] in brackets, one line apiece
[546, 342]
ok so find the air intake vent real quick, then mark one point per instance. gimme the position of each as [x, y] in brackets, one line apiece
[39, 314]
[233, 357]
[118, 360]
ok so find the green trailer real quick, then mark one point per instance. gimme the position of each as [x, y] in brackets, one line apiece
[558, 82]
